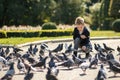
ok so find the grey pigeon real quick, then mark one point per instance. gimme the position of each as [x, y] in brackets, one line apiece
[29, 75]
[9, 74]
[58, 48]
[68, 63]
[101, 73]
[115, 69]
[50, 76]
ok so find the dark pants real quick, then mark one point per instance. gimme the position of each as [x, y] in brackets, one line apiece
[77, 45]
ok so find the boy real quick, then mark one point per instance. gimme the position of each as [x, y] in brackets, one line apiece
[81, 37]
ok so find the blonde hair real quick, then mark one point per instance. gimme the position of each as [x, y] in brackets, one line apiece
[79, 20]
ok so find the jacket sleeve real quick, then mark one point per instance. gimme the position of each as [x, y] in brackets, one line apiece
[73, 34]
[76, 33]
[87, 33]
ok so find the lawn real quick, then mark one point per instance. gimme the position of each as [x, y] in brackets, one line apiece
[20, 40]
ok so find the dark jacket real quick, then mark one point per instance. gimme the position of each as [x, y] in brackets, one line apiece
[77, 35]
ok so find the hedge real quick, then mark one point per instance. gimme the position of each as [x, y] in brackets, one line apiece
[116, 25]
[54, 33]
[23, 34]
[3, 34]
[41, 33]
[49, 26]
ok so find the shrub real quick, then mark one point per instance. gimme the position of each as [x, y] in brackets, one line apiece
[41, 33]
[55, 33]
[116, 25]
[49, 25]
[23, 34]
[3, 34]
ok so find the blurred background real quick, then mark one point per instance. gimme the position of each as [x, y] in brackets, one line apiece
[98, 14]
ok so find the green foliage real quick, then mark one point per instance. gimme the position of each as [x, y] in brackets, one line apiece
[36, 12]
[95, 10]
[56, 33]
[23, 34]
[49, 25]
[69, 10]
[41, 33]
[3, 34]
[116, 25]
[115, 9]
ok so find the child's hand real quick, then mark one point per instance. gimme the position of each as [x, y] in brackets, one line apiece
[83, 36]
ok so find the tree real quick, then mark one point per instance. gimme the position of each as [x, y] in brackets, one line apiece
[68, 10]
[115, 8]
[104, 15]
[95, 10]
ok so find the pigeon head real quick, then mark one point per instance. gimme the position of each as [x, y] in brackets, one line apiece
[101, 66]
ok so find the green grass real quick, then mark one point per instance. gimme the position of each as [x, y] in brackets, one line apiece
[20, 40]
[104, 33]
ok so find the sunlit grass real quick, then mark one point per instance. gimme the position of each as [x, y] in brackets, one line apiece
[21, 40]
[104, 33]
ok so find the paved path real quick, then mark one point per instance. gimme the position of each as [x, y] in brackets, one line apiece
[74, 74]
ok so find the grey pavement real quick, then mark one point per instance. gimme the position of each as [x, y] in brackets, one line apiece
[65, 40]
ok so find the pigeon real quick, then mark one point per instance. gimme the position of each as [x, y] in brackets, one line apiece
[26, 55]
[84, 66]
[35, 49]
[101, 73]
[110, 56]
[102, 54]
[115, 62]
[9, 57]
[43, 46]
[108, 48]
[41, 58]
[52, 56]
[101, 58]
[16, 49]
[30, 48]
[61, 57]
[69, 49]
[65, 56]
[115, 69]
[41, 52]
[29, 75]
[68, 63]
[21, 66]
[7, 50]
[58, 48]
[31, 60]
[51, 63]
[118, 49]
[9, 74]
[3, 61]
[95, 47]
[93, 61]
[2, 53]
[54, 71]
[101, 49]
[41, 63]
[50, 76]
[77, 60]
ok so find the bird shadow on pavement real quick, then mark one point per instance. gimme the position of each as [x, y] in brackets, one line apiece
[66, 69]
[114, 77]
[20, 73]
[92, 68]
[83, 74]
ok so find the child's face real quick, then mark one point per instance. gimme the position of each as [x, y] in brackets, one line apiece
[80, 27]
